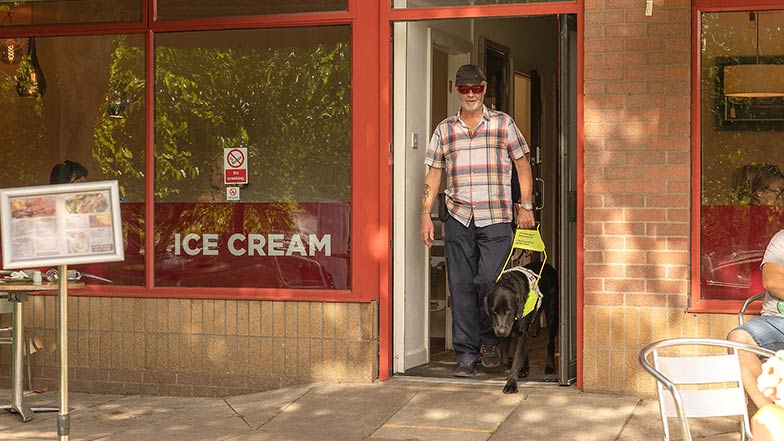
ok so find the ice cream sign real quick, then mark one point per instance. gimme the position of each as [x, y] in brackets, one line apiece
[240, 244]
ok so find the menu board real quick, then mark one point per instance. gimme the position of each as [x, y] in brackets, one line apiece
[61, 224]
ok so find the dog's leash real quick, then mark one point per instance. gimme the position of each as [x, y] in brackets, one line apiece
[528, 240]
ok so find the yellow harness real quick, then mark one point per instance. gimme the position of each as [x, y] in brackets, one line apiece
[528, 240]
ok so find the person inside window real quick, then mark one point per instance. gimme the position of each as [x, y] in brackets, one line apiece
[68, 172]
[758, 184]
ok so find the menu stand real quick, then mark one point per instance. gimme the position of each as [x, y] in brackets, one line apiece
[73, 207]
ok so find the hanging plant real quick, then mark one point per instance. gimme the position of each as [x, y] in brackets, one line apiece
[30, 81]
[25, 75]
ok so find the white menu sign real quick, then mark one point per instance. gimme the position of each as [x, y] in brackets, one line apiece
[61, 224]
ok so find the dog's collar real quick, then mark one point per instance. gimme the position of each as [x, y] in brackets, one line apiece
[532, 276]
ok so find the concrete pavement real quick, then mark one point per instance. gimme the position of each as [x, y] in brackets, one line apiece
[399, 409]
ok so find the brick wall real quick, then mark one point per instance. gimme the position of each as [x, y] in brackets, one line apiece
[200, 347]
[637, 188]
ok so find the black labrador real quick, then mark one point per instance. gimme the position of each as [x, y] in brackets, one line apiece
[505, 304]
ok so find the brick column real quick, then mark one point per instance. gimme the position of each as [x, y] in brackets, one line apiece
[637, 187]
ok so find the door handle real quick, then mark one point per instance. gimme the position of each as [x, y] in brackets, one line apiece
[540, 193]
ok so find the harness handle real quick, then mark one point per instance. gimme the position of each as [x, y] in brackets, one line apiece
[527, 240]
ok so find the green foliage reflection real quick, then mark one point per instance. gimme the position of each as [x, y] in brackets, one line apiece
[117, 140]
[289, 106]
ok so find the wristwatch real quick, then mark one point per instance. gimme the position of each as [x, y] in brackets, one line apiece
[527, 207]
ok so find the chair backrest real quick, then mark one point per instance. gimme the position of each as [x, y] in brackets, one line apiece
[695, 382]
[746, 304]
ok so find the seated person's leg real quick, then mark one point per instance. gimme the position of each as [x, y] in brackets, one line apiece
[763, 331]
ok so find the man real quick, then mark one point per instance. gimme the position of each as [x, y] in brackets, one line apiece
[476, 147]
[767, 330]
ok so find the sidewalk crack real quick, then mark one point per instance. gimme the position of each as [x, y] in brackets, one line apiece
[392, 414]
[242, 417]
[281, 410]
[628, 419]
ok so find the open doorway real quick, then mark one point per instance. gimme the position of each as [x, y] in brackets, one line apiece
[523, 59]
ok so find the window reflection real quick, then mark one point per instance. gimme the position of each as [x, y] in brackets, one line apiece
[70, 11]
[188, 9]
[71, 121]
[741, 139]
[284, 96]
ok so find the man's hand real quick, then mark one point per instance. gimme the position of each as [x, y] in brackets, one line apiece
[427, 229]
[525, 219]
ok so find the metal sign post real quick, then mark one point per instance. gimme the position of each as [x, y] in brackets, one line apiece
[63, 418]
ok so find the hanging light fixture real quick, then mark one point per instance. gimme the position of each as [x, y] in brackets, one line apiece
[30, 82]
[11, 49]
[754, 80]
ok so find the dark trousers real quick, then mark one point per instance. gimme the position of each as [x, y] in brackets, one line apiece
[474, 257]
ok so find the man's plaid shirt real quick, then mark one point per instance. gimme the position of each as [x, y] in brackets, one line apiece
[478, 167]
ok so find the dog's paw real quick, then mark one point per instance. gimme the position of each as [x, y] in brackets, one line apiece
[511, 386]
[549, 370]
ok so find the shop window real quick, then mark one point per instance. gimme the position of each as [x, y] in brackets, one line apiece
[434, 3]
[741, 136]
[279, 102]
[191, 9]
[69, 12]
[79, 99]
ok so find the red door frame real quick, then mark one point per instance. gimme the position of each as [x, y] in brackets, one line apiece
[388, 16]
[371, 200]
[698, 7]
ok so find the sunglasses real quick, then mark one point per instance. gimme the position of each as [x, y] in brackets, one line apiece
[477, 89]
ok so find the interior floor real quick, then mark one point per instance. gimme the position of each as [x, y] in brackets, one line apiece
[442, 363]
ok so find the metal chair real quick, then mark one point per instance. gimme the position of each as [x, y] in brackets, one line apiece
[749, 301]
[700, 383]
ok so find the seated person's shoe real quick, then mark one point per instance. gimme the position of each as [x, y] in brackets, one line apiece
[490, 356]
[466, 368]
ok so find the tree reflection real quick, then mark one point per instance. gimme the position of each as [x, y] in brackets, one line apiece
[289, 106]
[117, 140]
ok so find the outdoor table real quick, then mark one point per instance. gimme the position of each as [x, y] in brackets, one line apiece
[16, 293]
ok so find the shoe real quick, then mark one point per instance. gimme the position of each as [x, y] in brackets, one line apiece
[490, 356]
[466, 368]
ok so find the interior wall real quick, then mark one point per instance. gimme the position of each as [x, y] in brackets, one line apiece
[533, 42]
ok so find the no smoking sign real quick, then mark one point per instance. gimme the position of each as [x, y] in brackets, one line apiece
[232, 193]
[235, 165]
